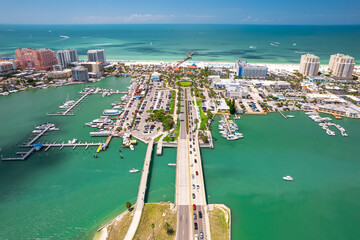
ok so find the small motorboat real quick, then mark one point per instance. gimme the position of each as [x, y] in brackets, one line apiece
[290, 116]
[133, 170]
[172, 164]
[132, 147]
[288, 178]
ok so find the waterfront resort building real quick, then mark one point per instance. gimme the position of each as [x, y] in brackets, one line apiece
[95, 69]
[97, 55]
[65, 57]
[80, 73]
[42, 59]
[7, 68]
[309, 65]
[156, 77]
[245, 70]
[341, 65]
[222, 107]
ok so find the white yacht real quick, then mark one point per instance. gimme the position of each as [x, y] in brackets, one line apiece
[288, 178]
[67, 104]
[290, 116]
[133, 170]
[172, 164]
[132, 147]
[111, 112]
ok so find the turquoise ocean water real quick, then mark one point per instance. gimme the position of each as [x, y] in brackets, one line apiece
[255, 43]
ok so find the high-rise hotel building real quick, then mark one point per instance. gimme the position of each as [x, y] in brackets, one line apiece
[67, 56]
[42, 59]
[309, 65]
[341, 65]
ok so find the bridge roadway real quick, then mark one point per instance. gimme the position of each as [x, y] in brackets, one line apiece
[182, 197]
[197, 179]
[140, 201]
[188, 182]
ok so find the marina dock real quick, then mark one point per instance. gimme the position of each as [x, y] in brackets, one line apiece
[66, 113]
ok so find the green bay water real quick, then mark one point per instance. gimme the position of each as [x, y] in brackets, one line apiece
[254, 43]
[246, 175]
[66, 194]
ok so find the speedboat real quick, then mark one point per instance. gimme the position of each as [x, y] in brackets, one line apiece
[133, 170]
[131, 147]
[233, 137]
[290, 116]
[330, 133]
[172, 164]
[288, 178]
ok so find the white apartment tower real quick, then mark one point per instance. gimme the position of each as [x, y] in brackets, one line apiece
[65, 57]
[97, 55]
[309, 65]
[341, 65]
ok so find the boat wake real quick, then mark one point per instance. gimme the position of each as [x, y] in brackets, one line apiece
[300, 52]
[252, 47]
[63, 36]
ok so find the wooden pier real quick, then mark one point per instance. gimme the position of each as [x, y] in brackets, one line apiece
[186, 58]
[282, 114]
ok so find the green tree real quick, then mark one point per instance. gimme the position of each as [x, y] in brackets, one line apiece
[153, 228]
[128, 205]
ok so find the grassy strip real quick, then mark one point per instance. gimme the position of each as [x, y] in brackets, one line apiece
[203, 119]
[158, 138]
[184, 83]
[219, 224]
[155, 215]
[172, 102]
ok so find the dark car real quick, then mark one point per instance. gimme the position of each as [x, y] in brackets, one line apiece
[194, 216]
[200, 214]
[196, 226]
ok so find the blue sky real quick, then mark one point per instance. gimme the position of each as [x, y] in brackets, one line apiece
[196, 11]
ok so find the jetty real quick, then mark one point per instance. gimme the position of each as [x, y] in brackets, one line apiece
[140, 201]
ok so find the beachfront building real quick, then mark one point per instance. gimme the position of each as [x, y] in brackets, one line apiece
[245, 70]
[67, 56]
[309, 65]
[222, 107]
[341, 65]
[237, 92]
[97, 55]
[156, 77]
[80, 73]
[64, 74]
[319, 79]
[95, 69]
[42, 59]
[7, 68]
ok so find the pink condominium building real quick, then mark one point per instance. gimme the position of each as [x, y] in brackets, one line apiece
[42, 59]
